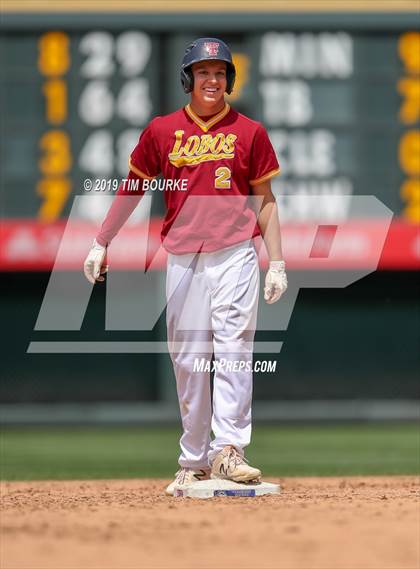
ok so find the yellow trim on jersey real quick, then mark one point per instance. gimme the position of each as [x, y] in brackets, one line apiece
[206, 125]
[194, 160]
[139, 172]
[267, 176]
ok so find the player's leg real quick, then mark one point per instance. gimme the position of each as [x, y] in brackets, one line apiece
[234, 304]
[189, 342]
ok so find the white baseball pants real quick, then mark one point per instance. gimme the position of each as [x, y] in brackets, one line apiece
[212, 302]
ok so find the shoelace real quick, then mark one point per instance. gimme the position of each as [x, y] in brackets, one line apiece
[181, 475]
[236, 458]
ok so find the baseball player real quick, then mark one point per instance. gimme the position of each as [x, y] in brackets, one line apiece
[225, 161]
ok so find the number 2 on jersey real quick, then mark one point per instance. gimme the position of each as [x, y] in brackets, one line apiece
[222, 181]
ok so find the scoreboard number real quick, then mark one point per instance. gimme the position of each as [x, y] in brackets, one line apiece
[134, 103]
[55, 92]
[55, 192]
[97, 106]
[54, 54]
[56, 155]
[409, 88]
[409, 51]
[96, 103]
[99, 49]
[410, 152]
[97, 155]
[132, 51]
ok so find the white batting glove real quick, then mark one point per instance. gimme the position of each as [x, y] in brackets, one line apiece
[275, 281]
[95, 264]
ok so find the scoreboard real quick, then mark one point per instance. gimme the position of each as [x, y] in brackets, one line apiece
[76, 104]
[341, 104]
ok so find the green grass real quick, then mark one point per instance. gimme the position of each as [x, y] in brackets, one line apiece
[36, 454]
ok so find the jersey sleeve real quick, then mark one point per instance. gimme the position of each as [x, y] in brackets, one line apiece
[144, 161]
[264, 164]
[123, 205]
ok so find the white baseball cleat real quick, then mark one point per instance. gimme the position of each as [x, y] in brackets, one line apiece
[186, 476]
[230, 465]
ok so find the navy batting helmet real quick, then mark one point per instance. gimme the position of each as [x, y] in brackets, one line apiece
[203, 49]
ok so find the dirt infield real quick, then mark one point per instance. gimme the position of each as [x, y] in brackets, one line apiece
[316, 523]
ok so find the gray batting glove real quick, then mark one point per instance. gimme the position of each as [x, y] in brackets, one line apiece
[95, 264]
[275, 281]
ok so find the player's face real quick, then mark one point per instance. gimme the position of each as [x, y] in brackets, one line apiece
[209, 85]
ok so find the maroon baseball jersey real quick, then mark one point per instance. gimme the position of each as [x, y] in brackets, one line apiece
[212, 164]
[208, 168]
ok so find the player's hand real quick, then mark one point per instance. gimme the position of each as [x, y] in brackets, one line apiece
[95, 264]
[275, 281]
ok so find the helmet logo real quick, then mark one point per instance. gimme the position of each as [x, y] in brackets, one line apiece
[212, 48]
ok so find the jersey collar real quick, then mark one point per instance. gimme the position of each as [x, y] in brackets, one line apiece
[206, 125]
